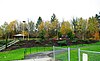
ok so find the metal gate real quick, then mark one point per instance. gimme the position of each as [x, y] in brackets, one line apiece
[85, 55]
[65, 54]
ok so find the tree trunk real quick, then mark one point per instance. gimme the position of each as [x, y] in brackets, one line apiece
[83, 36]
[6, 41]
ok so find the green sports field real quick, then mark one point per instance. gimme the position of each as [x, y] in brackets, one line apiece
[19, 53]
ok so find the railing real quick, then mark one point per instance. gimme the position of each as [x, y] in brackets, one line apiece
[8, 45]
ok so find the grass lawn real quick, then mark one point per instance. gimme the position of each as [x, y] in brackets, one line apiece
[19, 53]
[11, 55]
[74, 52]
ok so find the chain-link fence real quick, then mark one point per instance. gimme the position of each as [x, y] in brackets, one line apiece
[22, 53]
[56, 53]
[61, 54]
[37, 51]
[90, 55]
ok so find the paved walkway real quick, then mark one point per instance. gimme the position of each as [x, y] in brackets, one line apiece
[43, 56]
[40, 59]
[40, 55]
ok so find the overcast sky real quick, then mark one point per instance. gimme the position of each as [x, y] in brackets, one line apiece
[32, 9]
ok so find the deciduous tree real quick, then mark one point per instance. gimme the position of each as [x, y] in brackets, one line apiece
[92, 26]
[65, 28]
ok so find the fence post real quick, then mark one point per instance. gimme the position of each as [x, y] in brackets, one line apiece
[68, 54]
[44, 48]
[30, 50]
[36, 48]
[24, 52]
[78, 54]
[54, 53]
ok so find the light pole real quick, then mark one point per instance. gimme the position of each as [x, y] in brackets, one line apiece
[48, 33]
[36, 33]
[56, 33]
[23, 29]
[28, 34]
[28, 29]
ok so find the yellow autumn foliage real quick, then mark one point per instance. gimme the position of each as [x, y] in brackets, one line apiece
[65, 27]
[41, 26]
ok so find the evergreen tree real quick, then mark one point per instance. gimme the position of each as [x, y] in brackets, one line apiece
[38, 22]
[53, 17]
